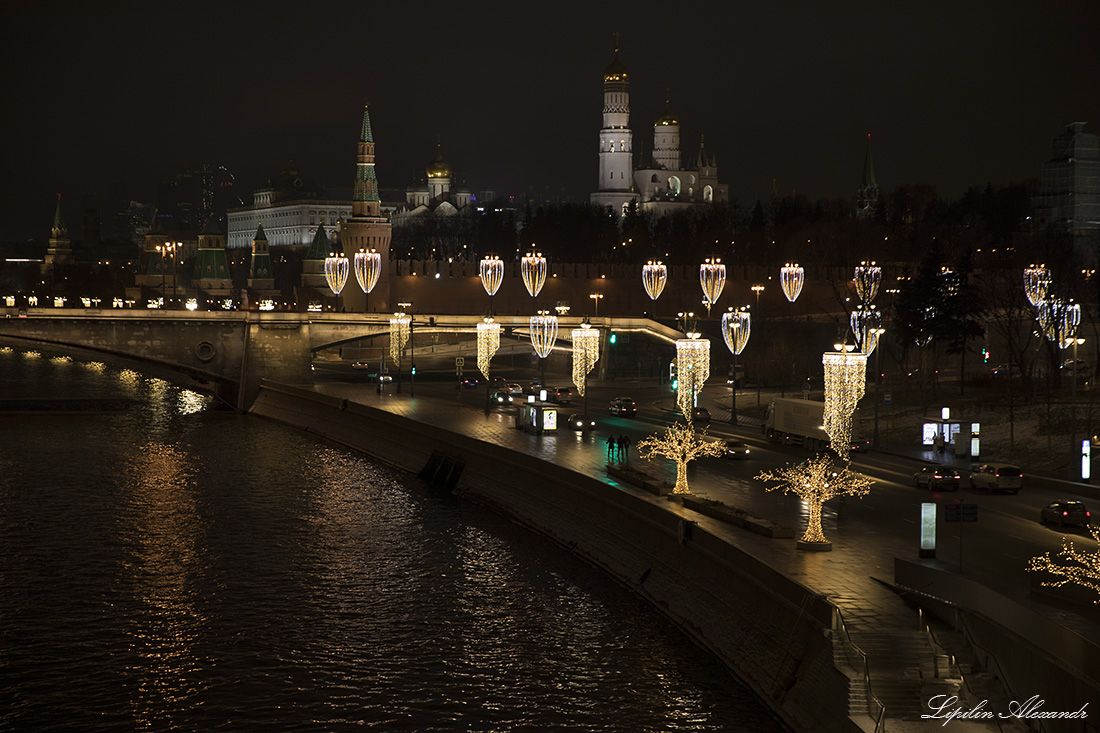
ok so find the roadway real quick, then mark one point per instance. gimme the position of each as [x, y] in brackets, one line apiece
[873, 530]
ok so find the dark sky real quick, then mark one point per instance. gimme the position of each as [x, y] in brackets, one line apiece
[955, 94]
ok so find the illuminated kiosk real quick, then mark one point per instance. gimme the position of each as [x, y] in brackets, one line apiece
[964, 436]
[538, 417]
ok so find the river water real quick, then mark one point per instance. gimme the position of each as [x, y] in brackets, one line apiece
[170, 566]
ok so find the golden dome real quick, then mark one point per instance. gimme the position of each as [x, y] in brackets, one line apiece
[439, 168]
[616, 71]
[666, 118]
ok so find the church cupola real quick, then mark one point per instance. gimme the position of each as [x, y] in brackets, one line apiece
[666, 139]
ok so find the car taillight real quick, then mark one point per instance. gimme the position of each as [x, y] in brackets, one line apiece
[1065, 514]
[937, 476]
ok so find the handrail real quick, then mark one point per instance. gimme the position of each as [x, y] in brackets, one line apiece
[940, 649]
[847, 644]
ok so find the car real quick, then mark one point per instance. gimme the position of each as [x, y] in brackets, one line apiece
[561, 395]
[700, 414]
[1065, 512]
[533, 386]
[498, 382]
[500, 398]
[468, 383]
[736, 449]
[997, 477]
[360, 365]
[515, 390]
[580, 422]
[1006, 370]
[623, 406]
[937, 477]
[859, 445]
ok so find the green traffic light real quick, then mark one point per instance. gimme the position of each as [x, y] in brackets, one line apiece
[613, 338]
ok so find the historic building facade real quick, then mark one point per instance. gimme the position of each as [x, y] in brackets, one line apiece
[291, 207]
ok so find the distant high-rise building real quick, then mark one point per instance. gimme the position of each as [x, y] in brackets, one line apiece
[867, 197]
[1069, 185]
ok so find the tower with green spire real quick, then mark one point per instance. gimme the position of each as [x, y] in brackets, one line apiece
[867, 200]
[260, 275]
[211, 273]
[59, 250]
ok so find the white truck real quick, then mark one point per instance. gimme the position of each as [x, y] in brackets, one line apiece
[795, 421]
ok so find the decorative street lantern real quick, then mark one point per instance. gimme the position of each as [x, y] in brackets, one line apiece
[368, 265]
[654, 277]
[692, 369]
[399, 336]
[845, 380]
[867, 279]
[586, 352]
[736, 329]
[791, 277]
[492, 272]
[866, 322]
[1058, 319]
[336, 272]
[488, 341]
[712, 278]
[533, 269]
[1036, 283]
[544, 332]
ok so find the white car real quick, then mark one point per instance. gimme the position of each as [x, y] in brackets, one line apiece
[997, 477]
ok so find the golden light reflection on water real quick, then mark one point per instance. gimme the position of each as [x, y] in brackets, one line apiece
[190, 402]
[160, 527]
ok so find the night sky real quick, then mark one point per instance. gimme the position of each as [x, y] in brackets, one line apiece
[954, 94]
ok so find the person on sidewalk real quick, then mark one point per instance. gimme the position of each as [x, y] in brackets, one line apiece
[610, 447]
[939, 443]
[624, 448]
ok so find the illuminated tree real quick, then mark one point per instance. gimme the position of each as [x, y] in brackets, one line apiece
[815, 481]
[1072, 565]
[681, 444]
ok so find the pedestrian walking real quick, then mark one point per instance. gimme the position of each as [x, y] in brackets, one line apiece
[624, 445]
[610, 447]
[620, 447]
[939, 443]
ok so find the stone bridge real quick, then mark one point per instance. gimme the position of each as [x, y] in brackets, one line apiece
[229, 352]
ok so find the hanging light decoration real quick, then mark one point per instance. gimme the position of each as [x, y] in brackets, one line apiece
[336, 272]
[866, 322]
[399, 336]
[791, 277]
[692, 369]
[1058, 319]
[845, 379]
[368, 265]
[712, 278]
[492, 272]
[867, 278]
[1036, 283]
[654, 277]
[736, 328]
[488, 341]
[533, 269]
[586, 352]
[544, 331]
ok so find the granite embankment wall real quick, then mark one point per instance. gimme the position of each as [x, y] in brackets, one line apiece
[775, 634]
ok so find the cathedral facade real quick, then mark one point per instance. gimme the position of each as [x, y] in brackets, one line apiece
[665, 181]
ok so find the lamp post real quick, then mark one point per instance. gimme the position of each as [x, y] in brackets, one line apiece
[736, 329]
[757, 289]
[596, 298]
[405, 306]
[163, 250]
[1073, 404]
[878, 383]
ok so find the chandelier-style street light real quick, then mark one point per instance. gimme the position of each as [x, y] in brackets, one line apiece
[654, 277]
[488, 341]
[791, 277]
[736, 329]
[692, 370]
[867, 278]
[1036, 283]
[845, 381]
[1058, 319]
[399, 336]
[336, 272]
[492, 273]
[533, 269]
[586, 352]
[368, 265]
[712, 278]
[544, 332]
[866, 322]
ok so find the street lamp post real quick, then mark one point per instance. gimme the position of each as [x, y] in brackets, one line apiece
[878, 383]
[405, 307]
[757, 289]
[596, 298]
[1073, 409]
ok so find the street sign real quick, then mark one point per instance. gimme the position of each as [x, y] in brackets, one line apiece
[887, 397]
[960, 513]
[459, 361]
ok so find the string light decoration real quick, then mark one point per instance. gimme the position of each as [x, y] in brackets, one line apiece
[681, 444]
[399, 336]
[336, 272]
[544, 332]
[1058, 319]
[1071, 565]
[488, 341]
[1036, 283]
[866, 322]
[586, 352]
[845, 380]
[533, 269]
[791, 277]
[368, 265]
[692, 370]
[867, 278]
[712, 278]
[492, 272]
[654, 277]
[736, 329]
[815, 481]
